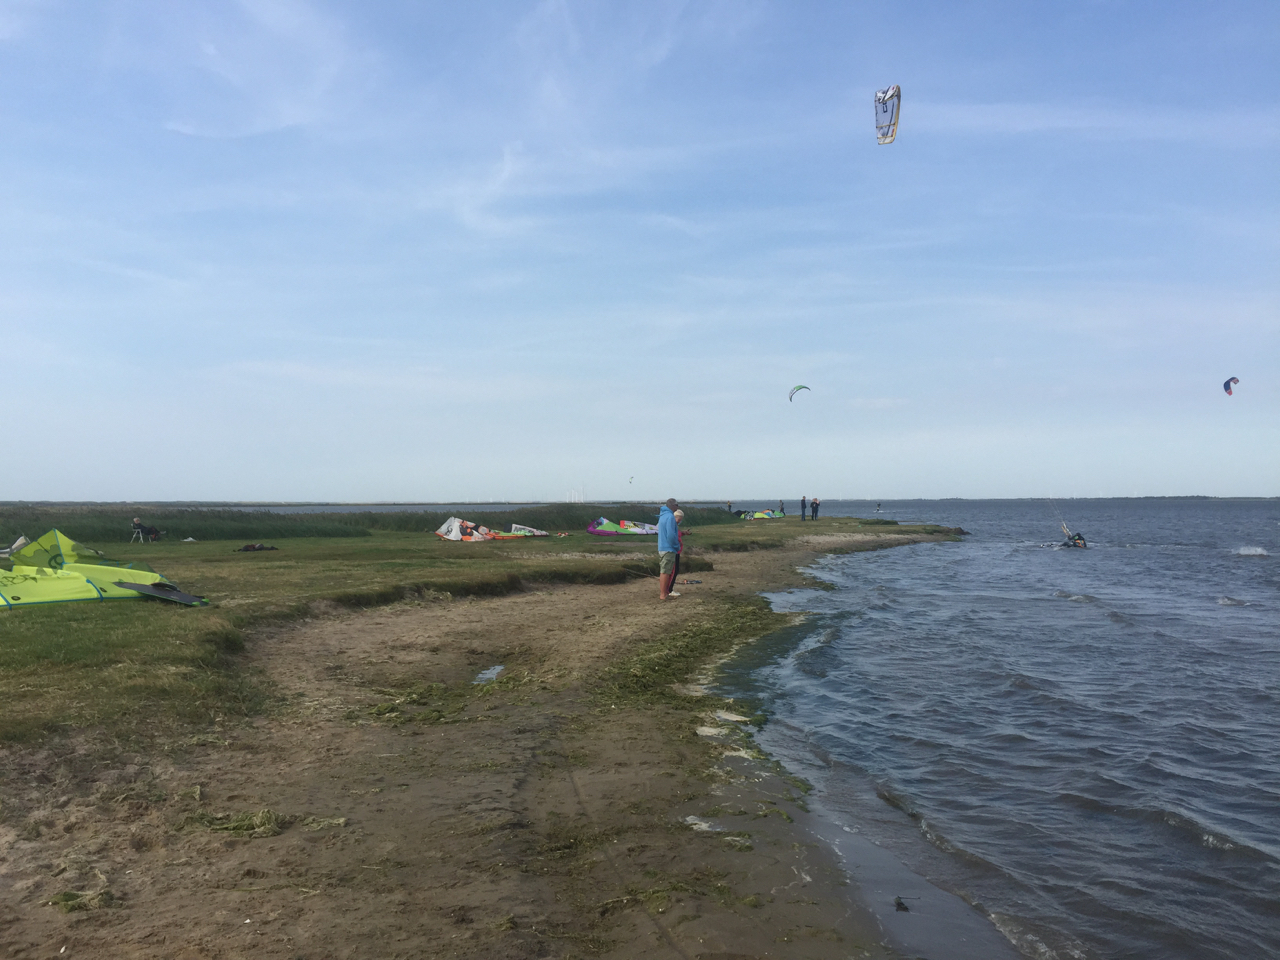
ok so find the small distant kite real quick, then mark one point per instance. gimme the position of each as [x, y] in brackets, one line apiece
[888, 101]
[631, 480]
[1227, 386]
[796, 389]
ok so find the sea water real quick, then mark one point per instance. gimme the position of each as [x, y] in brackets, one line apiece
[1084, 743]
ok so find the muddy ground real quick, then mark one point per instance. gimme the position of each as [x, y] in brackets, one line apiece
[384, 810]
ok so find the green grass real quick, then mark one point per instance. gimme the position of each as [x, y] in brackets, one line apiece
[650, 672]
[553, 516]
[138, 666]
[114, 524]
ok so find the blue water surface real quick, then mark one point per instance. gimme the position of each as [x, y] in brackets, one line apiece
[1083, 742]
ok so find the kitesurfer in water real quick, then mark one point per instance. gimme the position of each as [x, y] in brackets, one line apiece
[1073, 539]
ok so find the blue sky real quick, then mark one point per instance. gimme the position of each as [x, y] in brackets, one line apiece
[276, 249]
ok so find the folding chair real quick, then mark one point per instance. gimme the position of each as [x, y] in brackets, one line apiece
[137, 535]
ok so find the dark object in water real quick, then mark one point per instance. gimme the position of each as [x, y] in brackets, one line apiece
[1074, 540]
[900, 906]
[254, 547]
[164, 591]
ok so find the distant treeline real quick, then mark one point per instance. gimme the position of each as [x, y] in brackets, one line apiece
[94, 524]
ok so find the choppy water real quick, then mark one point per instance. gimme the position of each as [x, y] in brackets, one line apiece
[1086, 742]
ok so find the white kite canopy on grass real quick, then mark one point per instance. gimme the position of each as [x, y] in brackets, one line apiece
[17, 545]
[520, 530]
[455, 528]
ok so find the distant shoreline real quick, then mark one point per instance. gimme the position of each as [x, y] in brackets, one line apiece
[356, 506]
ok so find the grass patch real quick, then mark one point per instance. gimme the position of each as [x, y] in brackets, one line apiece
[254, 825]
[71, 901]
[650, 673]
[107, 523]
[134, 667]
[130, 666]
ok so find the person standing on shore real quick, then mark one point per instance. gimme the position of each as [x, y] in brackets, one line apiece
[668, 547]
[813, 507]
[802, 509]
[675, 571]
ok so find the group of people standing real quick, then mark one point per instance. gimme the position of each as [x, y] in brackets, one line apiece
[813, 507]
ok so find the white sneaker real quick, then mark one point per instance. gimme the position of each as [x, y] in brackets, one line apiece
[673, 594]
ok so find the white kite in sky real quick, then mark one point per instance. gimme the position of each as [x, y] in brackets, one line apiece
[887, 103]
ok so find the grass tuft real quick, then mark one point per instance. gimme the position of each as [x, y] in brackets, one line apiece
[650, 673]
[254, 825]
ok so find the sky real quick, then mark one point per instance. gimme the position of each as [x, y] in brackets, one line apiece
[310, 250]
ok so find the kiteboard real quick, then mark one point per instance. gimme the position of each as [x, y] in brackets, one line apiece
[164, 591]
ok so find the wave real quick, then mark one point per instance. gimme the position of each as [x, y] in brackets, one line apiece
[1077, 597]
[1187, 827]
[1251, 552]
[1232, 602]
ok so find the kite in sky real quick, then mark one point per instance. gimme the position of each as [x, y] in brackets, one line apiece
[887, 103]
[792, 394]
[1227, 386]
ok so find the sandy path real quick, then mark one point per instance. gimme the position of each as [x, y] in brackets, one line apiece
[537, 822]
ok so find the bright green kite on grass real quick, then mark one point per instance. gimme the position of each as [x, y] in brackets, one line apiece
[56, 569]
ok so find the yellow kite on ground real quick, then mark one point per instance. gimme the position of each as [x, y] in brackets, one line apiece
[56, 569]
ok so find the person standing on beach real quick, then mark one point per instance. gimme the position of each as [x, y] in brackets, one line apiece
[802, 509]
[813, 507]
[675, 572]
[668, 547]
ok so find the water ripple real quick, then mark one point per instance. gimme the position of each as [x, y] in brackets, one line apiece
[1084, 741]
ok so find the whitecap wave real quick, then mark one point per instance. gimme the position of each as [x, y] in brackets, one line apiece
[1251, 552]
[1232, 602]
[1077, 597]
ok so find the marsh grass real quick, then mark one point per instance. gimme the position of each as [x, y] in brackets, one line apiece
[113, 524]
[652, 671]
[142, 667]
[257, 824]
[145, 668]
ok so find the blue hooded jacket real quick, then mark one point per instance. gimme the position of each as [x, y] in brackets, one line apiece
[668, 532]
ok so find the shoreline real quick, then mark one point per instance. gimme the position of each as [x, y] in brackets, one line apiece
[400, 826]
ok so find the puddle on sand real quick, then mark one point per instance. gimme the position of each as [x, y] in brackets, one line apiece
[485, 676]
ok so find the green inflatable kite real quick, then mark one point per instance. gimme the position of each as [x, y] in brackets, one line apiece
[56, 569]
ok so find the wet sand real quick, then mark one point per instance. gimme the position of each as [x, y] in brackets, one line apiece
[538, 820]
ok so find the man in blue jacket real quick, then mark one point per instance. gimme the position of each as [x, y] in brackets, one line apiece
[668, 547]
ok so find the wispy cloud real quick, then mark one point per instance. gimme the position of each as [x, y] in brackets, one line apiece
[241, 68]
[1133, 122]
